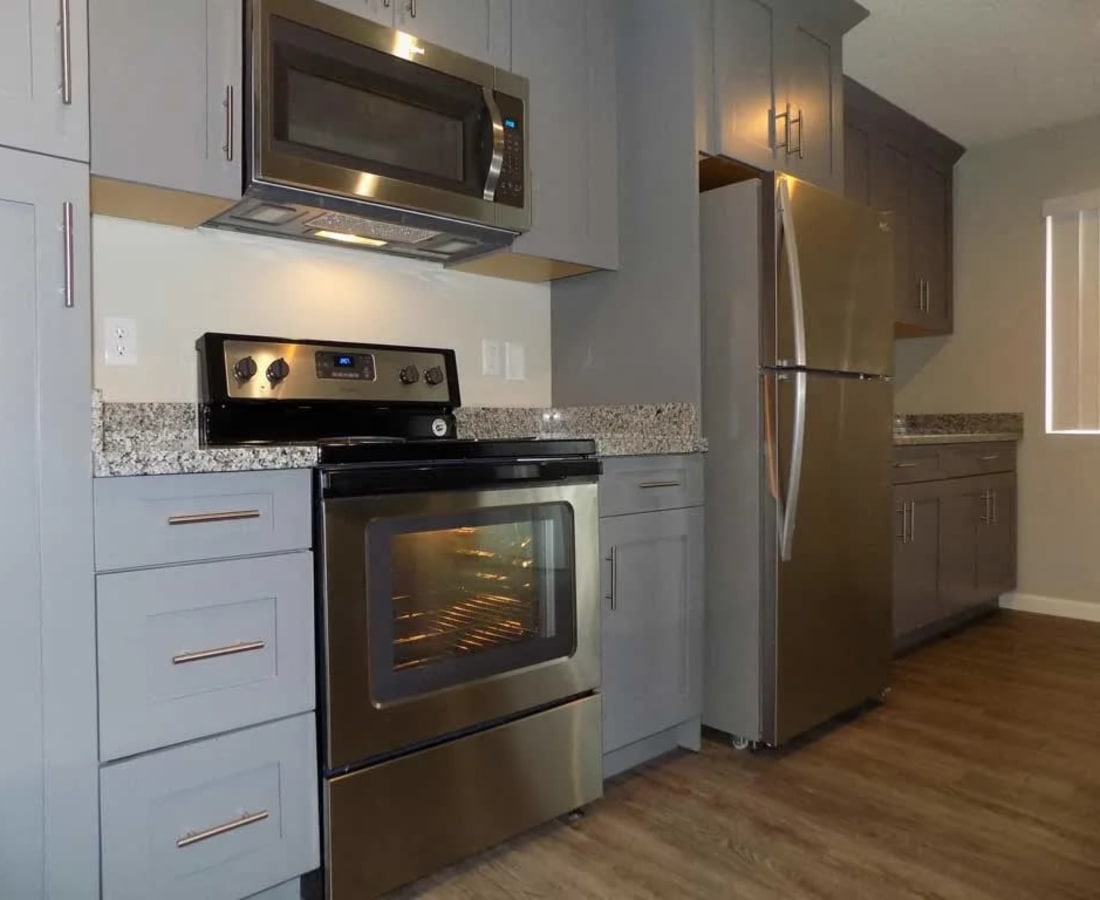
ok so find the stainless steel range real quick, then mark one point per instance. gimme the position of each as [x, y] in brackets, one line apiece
[458, 616]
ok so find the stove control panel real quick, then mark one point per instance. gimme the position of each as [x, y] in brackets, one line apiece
[274, 369]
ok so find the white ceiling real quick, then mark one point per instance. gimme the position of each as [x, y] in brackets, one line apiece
[981, 70]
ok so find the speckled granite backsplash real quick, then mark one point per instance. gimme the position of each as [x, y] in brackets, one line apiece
[929, 428]
[162, 438]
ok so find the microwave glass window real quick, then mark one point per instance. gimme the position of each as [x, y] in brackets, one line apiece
[328, 115]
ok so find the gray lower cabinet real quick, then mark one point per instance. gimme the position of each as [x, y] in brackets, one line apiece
[954, 537]
[48, 782]
[44, 77]
[652, 590]
[167, 95]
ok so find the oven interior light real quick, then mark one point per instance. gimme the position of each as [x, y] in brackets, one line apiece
[345, 238]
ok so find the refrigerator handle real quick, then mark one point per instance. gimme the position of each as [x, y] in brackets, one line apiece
[798, 317]
[794, 478]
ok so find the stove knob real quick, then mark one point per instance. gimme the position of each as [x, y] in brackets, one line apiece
[410, 375]
[277, 371]
[434, 376]
[245, 368]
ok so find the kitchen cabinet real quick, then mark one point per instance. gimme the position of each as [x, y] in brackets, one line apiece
[167, 94]
[44, 77]
[778, 85]
[955, 535]
[652, 590]
[477, 28]
[567, 51]
[380, 11]
[48, 778]
[910, 175]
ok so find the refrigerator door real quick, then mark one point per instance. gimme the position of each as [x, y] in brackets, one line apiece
[833, 309]
[828, 568]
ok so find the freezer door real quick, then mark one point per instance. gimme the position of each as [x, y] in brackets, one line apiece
[833, 308]
[828, 570]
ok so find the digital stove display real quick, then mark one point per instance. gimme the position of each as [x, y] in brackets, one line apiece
[358, 366]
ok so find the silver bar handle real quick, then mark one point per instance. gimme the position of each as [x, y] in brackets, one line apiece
[909, 465]
[986, 515]
[786, 117]
[995, 516]
[229, 650]
[797, 309]
[794, 479]
[385, 4]
[205, 518]
[70, 255]
[912, 521]
[991, 457]
[797, 120]
[412, 8]
[195, 837]
[229, 117]
[650, 485]
[66, 54]
[497, 161]
[613, 558]
[905, 523]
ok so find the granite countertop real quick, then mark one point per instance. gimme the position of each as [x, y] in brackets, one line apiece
[162, 438]
[957, 428]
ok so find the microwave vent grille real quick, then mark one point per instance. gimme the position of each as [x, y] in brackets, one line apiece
[370, 228]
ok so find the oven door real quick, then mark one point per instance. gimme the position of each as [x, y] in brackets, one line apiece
[445, 611]
[347, 107]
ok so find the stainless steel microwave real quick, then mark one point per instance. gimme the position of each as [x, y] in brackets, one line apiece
[366, 135]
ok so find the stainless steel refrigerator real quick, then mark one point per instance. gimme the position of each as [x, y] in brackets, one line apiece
[797, 408]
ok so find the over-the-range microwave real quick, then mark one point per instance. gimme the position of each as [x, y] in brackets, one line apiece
[359, 133]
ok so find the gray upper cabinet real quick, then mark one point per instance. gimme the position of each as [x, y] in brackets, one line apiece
[744, 80]
[48, 753]
[167, 94]
[814, 85]
[652, 623]
[477, 28]
[44, 77]
[380, 11]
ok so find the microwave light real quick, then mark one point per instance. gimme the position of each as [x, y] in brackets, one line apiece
[344, 238]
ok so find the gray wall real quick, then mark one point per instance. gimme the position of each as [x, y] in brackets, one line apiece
[633, 336]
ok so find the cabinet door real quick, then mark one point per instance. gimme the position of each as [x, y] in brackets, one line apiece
[167, 94]
[929, 236]
[744, 81]
[996, 547]
[916, 557]
[963, 507]
[652, 623]
[858, 145]
[48, 793]
[811, 68]
[380, 11]
[44, 77]
[889, 188]
[477, 28]
[567, 51]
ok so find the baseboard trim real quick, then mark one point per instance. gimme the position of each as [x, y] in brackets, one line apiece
[1052, 606]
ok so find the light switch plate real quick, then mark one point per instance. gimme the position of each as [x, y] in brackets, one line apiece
[490, 359]
[515, 361]
[119, 341]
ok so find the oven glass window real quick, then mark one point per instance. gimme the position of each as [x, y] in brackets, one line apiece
[459, 597]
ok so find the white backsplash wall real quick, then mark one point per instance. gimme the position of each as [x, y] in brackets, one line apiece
[176, 284]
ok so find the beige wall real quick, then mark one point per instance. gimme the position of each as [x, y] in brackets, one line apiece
[995, 360]
[177, 284]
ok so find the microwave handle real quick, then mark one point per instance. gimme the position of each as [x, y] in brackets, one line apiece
[497, 161]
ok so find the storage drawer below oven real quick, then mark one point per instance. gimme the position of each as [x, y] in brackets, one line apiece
[219, 819]
[190, 651]
[392, 823]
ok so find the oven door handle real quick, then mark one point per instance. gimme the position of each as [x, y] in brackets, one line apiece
[496, 163]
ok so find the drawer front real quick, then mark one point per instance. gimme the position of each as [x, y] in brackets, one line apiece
[219, 819]
[154, 520]
[913, 464]
[635, 484]
[191, 651]
[977, 459]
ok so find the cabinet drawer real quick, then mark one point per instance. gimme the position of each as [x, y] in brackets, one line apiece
[153, 520]
[636, 484]
[219, 819]
[977, 459]
[913, 464]
[190, 651]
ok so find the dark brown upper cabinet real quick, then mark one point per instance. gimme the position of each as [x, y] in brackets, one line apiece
[895, 162]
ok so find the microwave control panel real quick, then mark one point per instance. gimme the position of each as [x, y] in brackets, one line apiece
[511, 188]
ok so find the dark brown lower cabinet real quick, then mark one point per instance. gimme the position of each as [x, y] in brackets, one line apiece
[954, 541]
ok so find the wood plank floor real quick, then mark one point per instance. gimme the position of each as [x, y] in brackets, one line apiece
[979, 778]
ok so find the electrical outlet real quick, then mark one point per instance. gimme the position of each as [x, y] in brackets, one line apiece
[119, 341]
[515, 361]
[490, 359]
